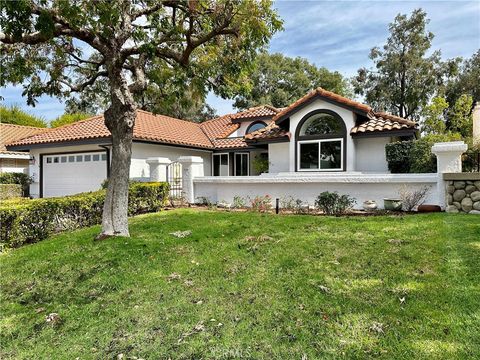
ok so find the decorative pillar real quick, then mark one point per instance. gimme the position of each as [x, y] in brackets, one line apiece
[192, 167]
[158, 168]
[449, 160]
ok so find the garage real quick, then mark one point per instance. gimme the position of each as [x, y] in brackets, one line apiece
[73, 173]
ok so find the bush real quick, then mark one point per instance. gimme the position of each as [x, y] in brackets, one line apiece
[261, 203]
[331, 203]
[412, 198]
[10, 191]
[34, 220]
[17, 178]
[398, 156]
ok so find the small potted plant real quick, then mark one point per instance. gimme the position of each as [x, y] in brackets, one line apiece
[392, 204]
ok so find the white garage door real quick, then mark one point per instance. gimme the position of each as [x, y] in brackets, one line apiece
[68, 174]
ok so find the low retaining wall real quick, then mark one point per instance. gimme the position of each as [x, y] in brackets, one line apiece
[307, 187]
[463, 192]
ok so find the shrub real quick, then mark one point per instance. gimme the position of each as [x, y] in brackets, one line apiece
[10, 191]
[238, 202]
[398, 156]
[412, 198]
[17, 178]
[331, 203]
[261, 203]
[260, 164]
[34, 220]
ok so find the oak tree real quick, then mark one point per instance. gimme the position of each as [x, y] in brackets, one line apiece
[57, 47]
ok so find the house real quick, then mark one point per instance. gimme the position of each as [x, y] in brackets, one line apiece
[320, 133]
[15, 161]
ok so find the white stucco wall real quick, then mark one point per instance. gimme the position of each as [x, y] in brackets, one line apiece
[307, 187]
[279, 157]
[139, 169]
[347, 116]
[370, 154]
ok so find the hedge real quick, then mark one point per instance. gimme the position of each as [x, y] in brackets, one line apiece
[9, 191]
[34, 220]
[22, 179]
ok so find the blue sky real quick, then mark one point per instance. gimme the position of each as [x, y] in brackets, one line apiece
[337, 35]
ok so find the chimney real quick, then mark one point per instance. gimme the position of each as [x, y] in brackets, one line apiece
[476, 123]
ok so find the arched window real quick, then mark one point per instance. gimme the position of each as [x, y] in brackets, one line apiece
[257, 125]
[320, 140]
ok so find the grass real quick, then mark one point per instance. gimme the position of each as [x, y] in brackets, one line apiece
[247, 285]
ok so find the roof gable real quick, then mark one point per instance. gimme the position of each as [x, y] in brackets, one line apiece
[12, 132]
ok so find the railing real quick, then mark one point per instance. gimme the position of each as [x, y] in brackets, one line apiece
[471, 161]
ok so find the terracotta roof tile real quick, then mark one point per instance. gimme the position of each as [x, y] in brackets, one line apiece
[219, 127]
[230, 143]
[326, 94]
[147, 127]
[262, 111]
[11, 132]
[380, 122]
[272, 131]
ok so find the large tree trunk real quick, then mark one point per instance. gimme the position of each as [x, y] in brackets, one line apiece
[119, 119]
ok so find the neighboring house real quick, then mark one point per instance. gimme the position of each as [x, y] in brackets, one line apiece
[15, 161]
[321, 132]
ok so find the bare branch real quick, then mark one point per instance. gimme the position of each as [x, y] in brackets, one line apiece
[80, 87]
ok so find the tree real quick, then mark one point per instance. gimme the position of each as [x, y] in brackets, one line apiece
[403, 78]
[279, 80]
[460, 116]
[15, 115]
[178, 96]
[43, 46]
[66, 119]
[434, 116]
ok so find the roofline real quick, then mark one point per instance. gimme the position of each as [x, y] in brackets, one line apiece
[25, 126]
[384, 133]
[314, 97]
[255, 118]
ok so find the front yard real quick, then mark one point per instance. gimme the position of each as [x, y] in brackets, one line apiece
[246, 285]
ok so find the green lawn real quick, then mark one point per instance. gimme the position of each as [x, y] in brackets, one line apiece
[247, 285]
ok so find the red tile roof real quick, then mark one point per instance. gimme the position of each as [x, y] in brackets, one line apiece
[383, 122]
[262, 111]
[219, 127]
[272, 131]
[325, 94]
[148, 127]
[11, 132]
[230, 143]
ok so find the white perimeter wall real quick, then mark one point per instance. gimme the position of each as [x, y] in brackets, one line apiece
[370, 154]
[307, 187]
[139, 169]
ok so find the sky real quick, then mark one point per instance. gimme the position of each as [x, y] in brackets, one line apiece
[337, 35]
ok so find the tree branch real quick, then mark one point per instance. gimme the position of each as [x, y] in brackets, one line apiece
[80, 87]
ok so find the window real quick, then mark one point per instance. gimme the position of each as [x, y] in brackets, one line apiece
[104, 157]
[63, 159]
[87, 157]
[56, 159]
[71, 158]
[49, 160]
[241, 164]
[220, 165]
[321, 139]
[255, 126]
[96, 157]
[79, 158]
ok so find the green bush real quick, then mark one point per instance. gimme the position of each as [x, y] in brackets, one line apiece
[398, 156]
[331, 203]
[17, 178]
[34, 220]
[10, 191]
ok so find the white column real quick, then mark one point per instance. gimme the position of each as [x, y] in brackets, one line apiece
[158, 168]
[449, 160]
[192, 167]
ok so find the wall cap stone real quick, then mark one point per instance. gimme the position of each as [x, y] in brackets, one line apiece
[461, 176]
[452, 146]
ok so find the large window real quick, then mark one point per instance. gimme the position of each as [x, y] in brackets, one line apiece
[321, 142]
[241, 164]
[220, 165]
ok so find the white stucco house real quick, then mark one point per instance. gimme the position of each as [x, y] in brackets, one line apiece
[321, 133]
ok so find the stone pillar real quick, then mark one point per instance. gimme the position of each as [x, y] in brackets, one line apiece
[158, 168]
[192, 167]
[449, 160]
